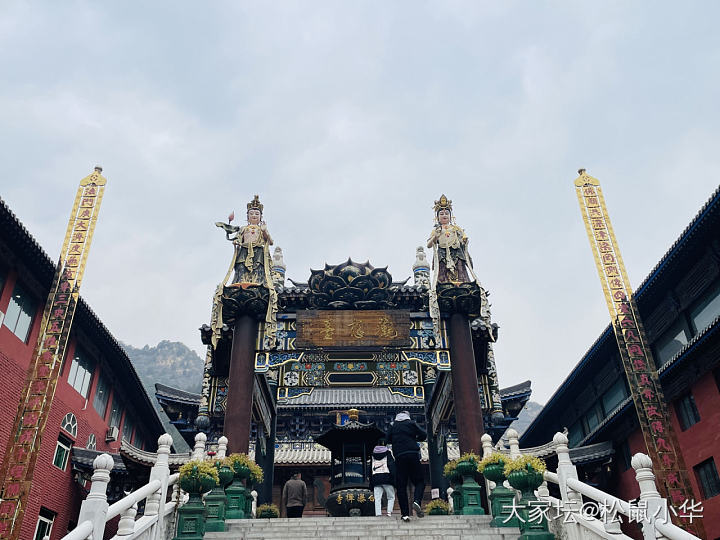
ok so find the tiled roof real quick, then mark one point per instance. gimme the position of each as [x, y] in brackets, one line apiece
[144, 457]
[162, 390]
[365, 397]
[305, 453]
[515, 390]
[591, 452]
[82, 458]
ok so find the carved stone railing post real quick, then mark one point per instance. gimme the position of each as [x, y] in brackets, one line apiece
[155, 503]
[199, 450]
[655, 507]
[514, 443]
[222, 447]
[254, 495]
[571, 500]
[487, 448]
[95, 507]
[126, 525]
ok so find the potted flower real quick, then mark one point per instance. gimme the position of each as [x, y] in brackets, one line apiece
[267, 511]
[470, 491]
[525, 473]
[437, 507]
[238, 496]
[241, 465]
[501, 498]
[450, 472]
[492, 466]
[216, 500]
[256, 474]
[467, 464]
[198, 477]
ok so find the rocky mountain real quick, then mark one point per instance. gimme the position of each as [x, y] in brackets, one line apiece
[526, 416]
[169, 362]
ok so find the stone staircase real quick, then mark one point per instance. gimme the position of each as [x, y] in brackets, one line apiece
[365, 528]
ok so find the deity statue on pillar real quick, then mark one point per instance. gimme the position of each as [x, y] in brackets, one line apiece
[252, 243]
[451, 260]
[452, 265]
[252, 263]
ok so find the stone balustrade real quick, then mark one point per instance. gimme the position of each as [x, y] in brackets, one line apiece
[574, 521]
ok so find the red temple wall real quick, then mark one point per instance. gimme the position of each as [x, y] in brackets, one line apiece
[52, 488]
[697, 443]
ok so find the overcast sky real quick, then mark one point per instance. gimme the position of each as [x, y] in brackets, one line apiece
[349, 119]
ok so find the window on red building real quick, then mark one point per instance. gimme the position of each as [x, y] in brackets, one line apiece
[102, 395]
[80, 373]
[69, 424]
[116, 412]
[44, 524]
[670, 343]
[707, 310]
[614, 396]
[62, 452]
[92, 442]
[687, 412]
[707, 476]
[128, 427]
[20, 312]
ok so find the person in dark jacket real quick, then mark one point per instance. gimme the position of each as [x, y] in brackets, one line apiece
[382, 478]
[294, 496]
[404, 435]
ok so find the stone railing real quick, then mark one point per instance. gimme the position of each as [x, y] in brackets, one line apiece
[154, 524]
[577, 520]
[159, 519]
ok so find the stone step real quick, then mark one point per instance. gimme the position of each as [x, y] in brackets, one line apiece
[365, 528]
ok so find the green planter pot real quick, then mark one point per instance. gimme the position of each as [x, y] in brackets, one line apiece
[527, 481]
[470, 490]
[197, 485]
[501, 498]
[216, 501]
[242, 473]
[192, 515]
[466, 468]
[438, 512]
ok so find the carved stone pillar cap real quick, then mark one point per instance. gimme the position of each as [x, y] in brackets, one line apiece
[103, 461]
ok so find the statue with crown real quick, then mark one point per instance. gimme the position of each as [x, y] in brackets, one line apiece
[251, 268]
[451, 261]
[454, 284]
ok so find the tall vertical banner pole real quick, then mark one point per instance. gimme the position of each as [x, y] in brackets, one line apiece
[24, 446]
[637, 358]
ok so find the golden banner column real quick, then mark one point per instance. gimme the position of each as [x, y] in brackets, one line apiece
[36, 399]
[653, 417]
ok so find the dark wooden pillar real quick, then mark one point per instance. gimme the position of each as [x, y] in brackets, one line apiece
[436, 460]
[468, 412]
[238, 412]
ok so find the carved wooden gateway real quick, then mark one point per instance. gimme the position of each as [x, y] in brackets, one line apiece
[280, 358]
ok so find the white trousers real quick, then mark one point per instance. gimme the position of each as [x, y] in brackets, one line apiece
[378, 492]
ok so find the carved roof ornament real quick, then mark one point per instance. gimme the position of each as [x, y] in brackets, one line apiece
[350, 285]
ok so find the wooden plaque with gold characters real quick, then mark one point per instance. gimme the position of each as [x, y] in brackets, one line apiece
[352, 329]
